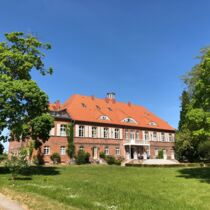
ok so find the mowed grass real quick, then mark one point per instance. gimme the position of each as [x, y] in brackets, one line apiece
[111, 187]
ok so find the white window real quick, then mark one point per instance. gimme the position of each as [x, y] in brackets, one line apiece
[146, 135]
[104, 117]
[81, 131]
[106, 133]
[132, 135]
[46, 150]
[153, 123]
[94, 132]
[155, 136]
[63, 130]
[170, 137]
[106, 150]
[117, 151]
[137, 135]
[63, 150]
[129, 120]
[81, 148]
[116, 133]
[162, 136]
[156, 152]
[126, 135]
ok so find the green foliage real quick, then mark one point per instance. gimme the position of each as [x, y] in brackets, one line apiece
[17, 164]
[56, 158]
[70, 137]
[102, 155]
[1, 149]
[194, 125]
[82, 157]
[23, 106]
[160, 154]
[3, 157]
[204, 150]
[110, 159]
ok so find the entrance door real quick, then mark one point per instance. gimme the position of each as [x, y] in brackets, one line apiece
[95, 152]
[132, 152]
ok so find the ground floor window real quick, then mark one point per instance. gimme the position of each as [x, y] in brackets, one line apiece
[117, 151]
[63, 150]
[81, 148]
[106, 150]
[46, 150]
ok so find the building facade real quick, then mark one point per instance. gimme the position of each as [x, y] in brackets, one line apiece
[105, 125]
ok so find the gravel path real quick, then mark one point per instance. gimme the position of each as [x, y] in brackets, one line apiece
[8, 204]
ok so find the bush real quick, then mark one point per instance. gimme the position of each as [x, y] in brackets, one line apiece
[119, 160]
[102, 155]
[56, 158]
[110, 159]
[82, 157]
[3, 157]
[160, 154]
[17, 164]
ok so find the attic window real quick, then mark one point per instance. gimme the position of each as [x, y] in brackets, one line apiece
[153, 123]
[129, 120]
[98, 107]
[104, 117]
[83, 105]
[110, 109]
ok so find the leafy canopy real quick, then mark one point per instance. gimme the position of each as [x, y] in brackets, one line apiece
[23, 105]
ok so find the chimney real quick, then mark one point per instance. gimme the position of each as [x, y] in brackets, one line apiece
[57, 105]
[129, 103]
[111, 95]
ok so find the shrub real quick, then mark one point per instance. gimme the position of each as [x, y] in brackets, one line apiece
[102, 155]
[56, 158]
[3, 157]
[119, 160]
[17, 164]
[160, 154]
[82, 157]
[110, 159]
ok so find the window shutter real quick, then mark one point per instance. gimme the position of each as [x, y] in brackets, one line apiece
[76, 130]
[102, 132]
[143, 135]
[58, 129]
[86, 131]
[52, 131]
[121, 133]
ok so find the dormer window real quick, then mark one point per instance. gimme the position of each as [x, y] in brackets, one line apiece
[129, 120]
[110, 109]
[104, 117]
[153, 123]
[84, 105]
[98, 107]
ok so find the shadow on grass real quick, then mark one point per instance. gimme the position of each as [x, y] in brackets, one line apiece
[202, 174]
[35, 170]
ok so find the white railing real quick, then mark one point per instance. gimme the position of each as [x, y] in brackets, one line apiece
[135, 141]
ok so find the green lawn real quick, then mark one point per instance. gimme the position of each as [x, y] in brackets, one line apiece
[111, 187]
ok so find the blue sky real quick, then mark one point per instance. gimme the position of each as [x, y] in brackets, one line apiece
[139, 49]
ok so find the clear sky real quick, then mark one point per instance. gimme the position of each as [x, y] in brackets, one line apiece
[139, 48]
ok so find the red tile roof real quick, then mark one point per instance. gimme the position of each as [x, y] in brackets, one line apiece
[90, 109]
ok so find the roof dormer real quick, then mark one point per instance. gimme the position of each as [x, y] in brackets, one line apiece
[104, 117]
[129, 120]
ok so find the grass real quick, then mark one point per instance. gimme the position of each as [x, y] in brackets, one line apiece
[110, 187]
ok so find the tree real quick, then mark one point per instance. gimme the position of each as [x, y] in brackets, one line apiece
[1, 149]
[70, 138]
[23, 105]
[193, 136]
[185, 101]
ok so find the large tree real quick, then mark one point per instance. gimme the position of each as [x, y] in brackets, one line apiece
[23, 105]
[192, 142]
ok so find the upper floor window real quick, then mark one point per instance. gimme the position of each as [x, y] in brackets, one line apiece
[104, 117]
[106, 150]
[63, 130]
[106, 133]
[94, 132]
[116, 133]
[155, 136]
[117, 151]
[137, 135]
[46, 150]
[129, 120]
[81, 131]
[162, 136]
[63, 150]
[171, 137]
[132, 135]
[126, 135]
[146, 135]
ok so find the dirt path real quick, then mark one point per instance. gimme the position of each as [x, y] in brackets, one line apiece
[8, 204]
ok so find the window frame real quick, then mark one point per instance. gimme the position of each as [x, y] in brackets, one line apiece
[62, 150]
[46, 148]
[81, 131]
